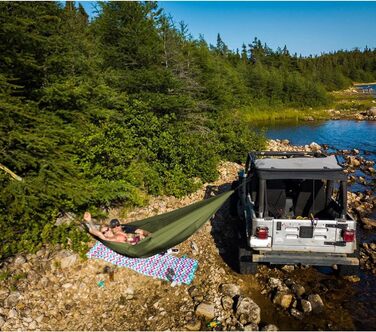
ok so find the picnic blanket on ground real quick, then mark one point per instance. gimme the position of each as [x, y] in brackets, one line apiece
[166, 267]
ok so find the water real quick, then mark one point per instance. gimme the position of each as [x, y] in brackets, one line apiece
[367, 88]
[340, 134]
[344, 135]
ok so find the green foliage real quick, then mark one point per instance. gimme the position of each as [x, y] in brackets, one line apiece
[130, 105]
[236, 137]
[4, 275]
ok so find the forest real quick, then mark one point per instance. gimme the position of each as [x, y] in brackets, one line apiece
[107, 111]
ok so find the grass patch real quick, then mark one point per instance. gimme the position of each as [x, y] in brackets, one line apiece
[339, 100]
[4, 275]
[352, 101]
[20, 276]
[250, 114]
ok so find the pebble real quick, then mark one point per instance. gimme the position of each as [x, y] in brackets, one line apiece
[12, 299]
[67, 285]
[32, 325]
[20, 260]
[206, 310]
[270, 327]
[193, 325]
[296, 313]
[251, 327]
[2, 321]
[193, 291]
[288, 268]
[12, 313]
[68, 261]
[194, 248]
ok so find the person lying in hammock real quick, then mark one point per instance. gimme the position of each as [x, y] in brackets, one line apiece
[127, 229]
[106, 233]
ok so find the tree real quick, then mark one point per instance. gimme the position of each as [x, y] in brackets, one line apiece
[128, 35]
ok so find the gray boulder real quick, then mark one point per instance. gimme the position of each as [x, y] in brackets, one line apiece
[316, 303]
[368, 223]
[68, 261]
[275, 283]
[247, 311]
[12, 299]
[205, 310]
[296, 313]
[288, 268]
[193, 291]
[315, 147]
[298, 290]
[227, 302]
[270, 327]
[20, 260]
[251, 327]
[229, 289]
[193, 325]
[372, 111]
[283, 299]
[306, 306]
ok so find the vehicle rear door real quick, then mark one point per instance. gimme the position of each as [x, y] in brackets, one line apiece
[304, 235]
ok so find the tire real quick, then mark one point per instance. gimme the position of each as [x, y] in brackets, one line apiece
[348, 270]
[246, 266]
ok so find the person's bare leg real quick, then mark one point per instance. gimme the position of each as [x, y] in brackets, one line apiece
[142, 233]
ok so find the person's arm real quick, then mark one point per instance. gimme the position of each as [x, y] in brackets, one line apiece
[97, 233]
[92, 229]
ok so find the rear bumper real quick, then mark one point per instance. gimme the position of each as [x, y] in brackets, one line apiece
[304, 258]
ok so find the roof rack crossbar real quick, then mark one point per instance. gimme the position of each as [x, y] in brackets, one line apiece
[285, 153]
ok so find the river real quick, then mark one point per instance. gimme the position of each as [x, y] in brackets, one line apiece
[344, 135]
[367, 88]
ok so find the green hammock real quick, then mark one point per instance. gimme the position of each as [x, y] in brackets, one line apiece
[169, 229]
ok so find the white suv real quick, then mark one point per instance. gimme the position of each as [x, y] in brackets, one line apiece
[292, 208]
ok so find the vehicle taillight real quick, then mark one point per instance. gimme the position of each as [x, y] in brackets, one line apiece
[348, 235]
[262, 232]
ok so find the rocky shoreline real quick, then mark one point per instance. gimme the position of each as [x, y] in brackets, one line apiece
[353, 106]
[56, 290]
[353, 114]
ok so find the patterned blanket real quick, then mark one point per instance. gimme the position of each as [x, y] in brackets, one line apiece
[166, 267]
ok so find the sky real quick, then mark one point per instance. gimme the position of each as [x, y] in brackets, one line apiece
[304, 27]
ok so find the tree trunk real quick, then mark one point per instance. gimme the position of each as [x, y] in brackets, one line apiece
[13, 175]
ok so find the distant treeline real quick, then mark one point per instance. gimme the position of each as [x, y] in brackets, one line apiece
[110, 111]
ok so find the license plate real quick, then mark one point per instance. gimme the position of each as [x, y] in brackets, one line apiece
[306, 232]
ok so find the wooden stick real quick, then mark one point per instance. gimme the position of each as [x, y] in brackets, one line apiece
[13, 175]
